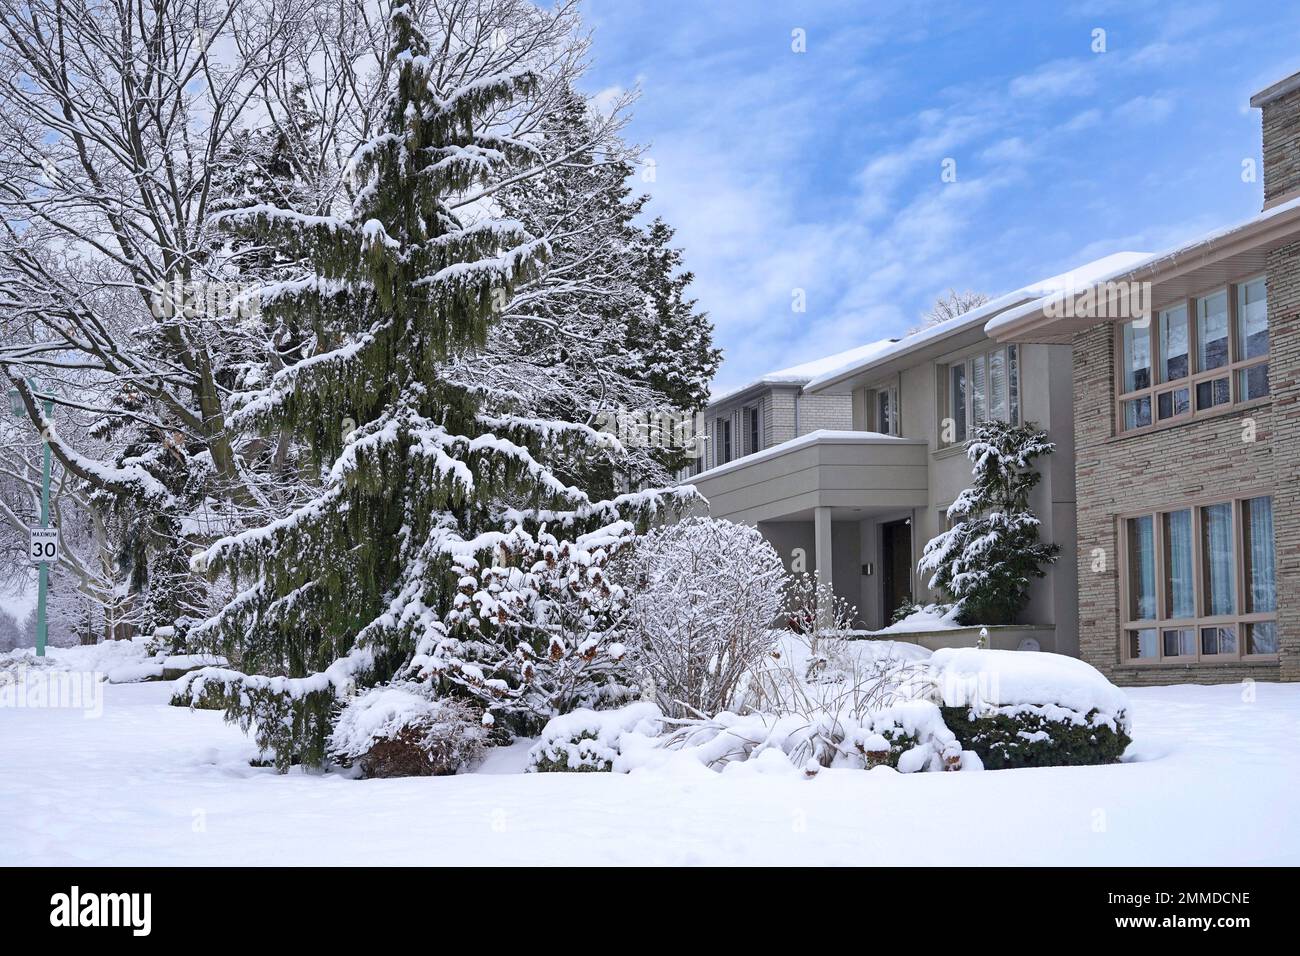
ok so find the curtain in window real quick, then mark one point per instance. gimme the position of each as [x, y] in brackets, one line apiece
[978, 403]
[1141, 569]
[998, 385]
[1178, 564]
[1261, 586]
[1212, 331]
[1013, 385]
[1173, 344]
[1217, 533]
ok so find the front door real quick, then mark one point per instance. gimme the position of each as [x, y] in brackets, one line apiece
[896, 566]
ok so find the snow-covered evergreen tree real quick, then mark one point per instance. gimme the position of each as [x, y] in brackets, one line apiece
[992, 552]
[418, 480]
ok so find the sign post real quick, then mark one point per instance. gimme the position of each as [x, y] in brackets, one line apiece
[43, 542]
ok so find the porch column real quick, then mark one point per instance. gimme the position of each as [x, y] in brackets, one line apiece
[822, 545]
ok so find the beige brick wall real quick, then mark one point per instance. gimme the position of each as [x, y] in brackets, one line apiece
[1118, 474]
[1281, 129]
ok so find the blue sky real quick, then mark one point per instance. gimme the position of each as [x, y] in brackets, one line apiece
[821, 170]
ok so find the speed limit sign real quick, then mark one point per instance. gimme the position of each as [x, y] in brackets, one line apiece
[43, 545]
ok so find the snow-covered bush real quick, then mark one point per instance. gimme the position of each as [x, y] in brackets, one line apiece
[1018, 709]
[908, 736]
[704, 594]
[536, 631]
[987, 559]
[813, 608]
[588, 740]
[402, 731]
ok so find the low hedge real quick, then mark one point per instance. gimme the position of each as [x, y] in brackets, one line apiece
[1027, 736]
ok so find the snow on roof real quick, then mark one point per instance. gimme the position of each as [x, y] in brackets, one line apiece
[1083, 280]
[802, 374]
[811, 438]
[1082, 275]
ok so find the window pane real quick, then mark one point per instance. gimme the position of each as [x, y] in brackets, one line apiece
[1216, 555]
[1137, 356]
[1137, 412]
[1141, 569]
[1180, 642]
[1261, 637]
[1212, 331]
[1252, 382]
[1209, 394]
[1180, 598]
[998, 385]
[1219, 640]
[1176, 402]
[1013, 384]
[1174, 356]
[1252, 319]
[978, 406]
[1257, 529]
[884, 416]
[957, 401]
[1142, 643]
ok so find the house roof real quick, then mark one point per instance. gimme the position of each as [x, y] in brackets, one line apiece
[1209, 260]
[803, 374]
[849, 374]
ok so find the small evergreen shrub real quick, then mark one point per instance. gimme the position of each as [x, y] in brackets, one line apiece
[1029, 736]
[587, 741]
[401, 731]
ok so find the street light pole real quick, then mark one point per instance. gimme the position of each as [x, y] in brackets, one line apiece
[43, 573]
[43, 567]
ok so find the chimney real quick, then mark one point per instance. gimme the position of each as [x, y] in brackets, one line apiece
[1281, 125]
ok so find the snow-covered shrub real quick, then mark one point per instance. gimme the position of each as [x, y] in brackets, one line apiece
[401, 731]
[987, 559]
[1017, 709]
[588, 740]
[813, 608]
[909, 736]
[536, 631]
[704, 594]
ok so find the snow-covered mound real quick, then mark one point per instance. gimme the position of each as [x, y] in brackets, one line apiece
[121, 662]
[589, 739]
[969, 676]
[932, 617]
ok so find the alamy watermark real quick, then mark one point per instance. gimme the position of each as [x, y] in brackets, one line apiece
[34, 688]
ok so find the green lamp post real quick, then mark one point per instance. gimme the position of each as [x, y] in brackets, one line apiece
[43, 567]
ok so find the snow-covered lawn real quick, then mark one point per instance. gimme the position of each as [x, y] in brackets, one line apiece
[1213, 779]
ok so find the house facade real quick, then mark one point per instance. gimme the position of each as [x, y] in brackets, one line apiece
[852, 492]
[1187, 442]
[1170, 385]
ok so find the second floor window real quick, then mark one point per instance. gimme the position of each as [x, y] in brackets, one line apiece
[1197, 355]
[723, 442]
[887, 411]
[753, 434]
[982, 388]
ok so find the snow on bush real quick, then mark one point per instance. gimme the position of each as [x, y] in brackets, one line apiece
[704, 595]
[536, 631]
[986, 561]
[1029, 710]
[401, 731]
[917, 618]
[588, 740]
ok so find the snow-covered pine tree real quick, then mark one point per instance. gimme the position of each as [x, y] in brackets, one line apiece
[606, 329]
[989, 556]
[416, 478]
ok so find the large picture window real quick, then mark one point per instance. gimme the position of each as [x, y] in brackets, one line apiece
[1200, 584]
[1207, 352]
[982, 388]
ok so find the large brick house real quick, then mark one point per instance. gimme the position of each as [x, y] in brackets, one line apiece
[1187, 442]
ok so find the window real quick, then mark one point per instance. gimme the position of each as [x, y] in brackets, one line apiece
[1206, 353]
[887, 411]
[753, 436]
[1199, 584]
[723, 445]
[982, 388]
[957, 400]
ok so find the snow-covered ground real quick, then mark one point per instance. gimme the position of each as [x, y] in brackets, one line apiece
[1212, 779]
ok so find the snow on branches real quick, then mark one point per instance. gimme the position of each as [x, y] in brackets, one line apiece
[989, 556]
